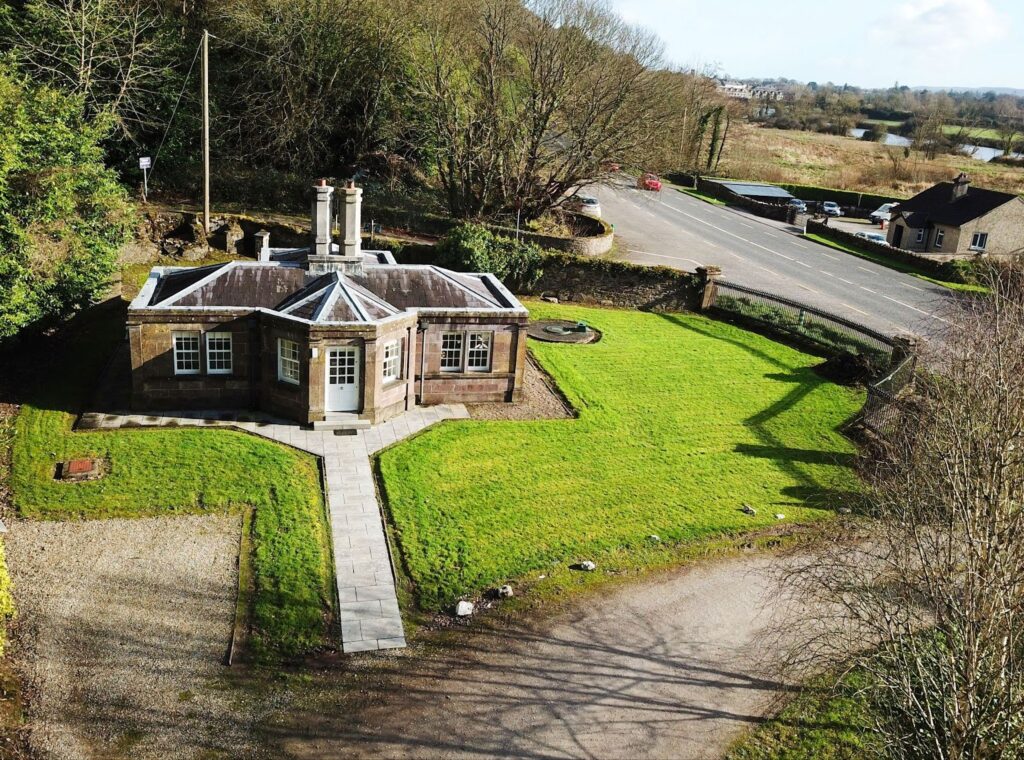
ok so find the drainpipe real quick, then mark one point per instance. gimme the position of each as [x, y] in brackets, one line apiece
[423, 359]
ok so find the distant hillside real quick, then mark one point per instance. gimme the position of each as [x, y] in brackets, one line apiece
[1015, 91]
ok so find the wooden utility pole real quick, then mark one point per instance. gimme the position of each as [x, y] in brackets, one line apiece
[206, 131]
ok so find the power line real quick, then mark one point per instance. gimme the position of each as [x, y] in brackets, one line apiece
[174, 111]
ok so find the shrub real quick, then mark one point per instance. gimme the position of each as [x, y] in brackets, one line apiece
[473, 248]
[63, 215]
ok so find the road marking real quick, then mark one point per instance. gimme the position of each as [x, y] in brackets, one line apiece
[842, 280]
[922, 311]
[908, 285]
[803, 264]
[864, 269]
[748, 226]
[811, 289]
[854, 308]
[664, 256]
[869, 290]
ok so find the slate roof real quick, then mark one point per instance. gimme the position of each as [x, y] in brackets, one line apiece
[936, 205]
[285, 288]
[756, 190]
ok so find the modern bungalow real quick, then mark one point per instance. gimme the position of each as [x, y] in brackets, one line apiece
[328, 335]
[954, 220]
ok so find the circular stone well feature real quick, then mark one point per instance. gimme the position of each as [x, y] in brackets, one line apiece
[563, 331]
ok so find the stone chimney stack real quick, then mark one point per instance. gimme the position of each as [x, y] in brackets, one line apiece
[320, 218]
[960, 186]
[350, 223]
[262, 246]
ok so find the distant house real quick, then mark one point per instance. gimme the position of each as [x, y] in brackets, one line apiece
[328, 334]
[737, 90]
[955, 220]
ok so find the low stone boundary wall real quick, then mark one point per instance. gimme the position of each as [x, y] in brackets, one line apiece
[895, 254]
[601, 282]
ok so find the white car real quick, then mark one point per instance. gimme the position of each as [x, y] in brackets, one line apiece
[883, 213]
[586, 204]
[831, 208]
[874, 237]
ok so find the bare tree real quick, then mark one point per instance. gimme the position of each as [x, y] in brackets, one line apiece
[117, 54]
[526, 103]
[926, 590]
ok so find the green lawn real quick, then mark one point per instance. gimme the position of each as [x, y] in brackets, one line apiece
[981, 133]
[899, 266]
[180, 471]
[821, 723]
[682, 420]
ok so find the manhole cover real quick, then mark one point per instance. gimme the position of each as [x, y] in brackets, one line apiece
[76, 470]
[563, 331]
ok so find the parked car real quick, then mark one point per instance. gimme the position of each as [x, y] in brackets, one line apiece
[831, 208]
[883, 213]
[585, 204]
[874, 237]
[649, 181]
[798, 205]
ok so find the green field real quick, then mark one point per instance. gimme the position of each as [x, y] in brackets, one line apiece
[682, 420]
[180, 471]
[978, 133]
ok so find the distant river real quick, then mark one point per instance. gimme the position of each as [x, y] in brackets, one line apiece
[979, 152]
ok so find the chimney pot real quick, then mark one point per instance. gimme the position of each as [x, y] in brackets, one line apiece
[321, 183]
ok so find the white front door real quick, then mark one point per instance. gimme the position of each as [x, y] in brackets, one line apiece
[342, 387]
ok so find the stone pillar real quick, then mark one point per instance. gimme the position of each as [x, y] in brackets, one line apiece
[707, 290]
[320, 218]
[904, 346]
[262, 245]
[350, 225]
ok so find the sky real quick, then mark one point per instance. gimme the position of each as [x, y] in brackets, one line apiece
[870, 43]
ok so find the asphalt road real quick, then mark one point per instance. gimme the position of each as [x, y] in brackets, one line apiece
[672, 667]
[676, 230]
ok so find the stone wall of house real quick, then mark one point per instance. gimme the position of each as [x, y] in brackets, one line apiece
[1005, 229]
[156, 387]
[617, 283]
[504, 381]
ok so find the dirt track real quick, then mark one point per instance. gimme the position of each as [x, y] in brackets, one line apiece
[665, 668]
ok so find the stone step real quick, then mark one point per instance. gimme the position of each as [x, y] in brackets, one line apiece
[342, 422]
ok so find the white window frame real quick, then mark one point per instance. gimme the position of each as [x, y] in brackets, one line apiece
[472, 362]
[391, 368]
[920, 234]
[220, 353]
[979, 241]
[940, 237]
[459, 352]
[179, 352]
[286, 364]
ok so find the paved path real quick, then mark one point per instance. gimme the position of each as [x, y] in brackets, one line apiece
[367, 603]
[672, 666]
[676, 230]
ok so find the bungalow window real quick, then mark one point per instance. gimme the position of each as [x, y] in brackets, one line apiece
[288, 370]
[478, 355]
[920, 235]
[940, 235]
[451, 351]
[392, 360]
[979, 241]
[186, 353]
[218, 353]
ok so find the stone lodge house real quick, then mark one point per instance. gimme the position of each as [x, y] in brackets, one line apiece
[328, 335]
[954, 220]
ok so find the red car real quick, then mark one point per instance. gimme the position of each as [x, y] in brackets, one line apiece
[649, 181]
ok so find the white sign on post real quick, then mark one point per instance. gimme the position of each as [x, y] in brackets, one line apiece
[145, 162]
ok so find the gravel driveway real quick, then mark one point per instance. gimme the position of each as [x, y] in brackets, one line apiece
[123, 625]
[667, 667]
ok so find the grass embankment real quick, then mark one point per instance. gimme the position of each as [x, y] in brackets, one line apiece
[821, 723]
[682, 420]
[180, 471]
[899, 266]
[702, 196]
